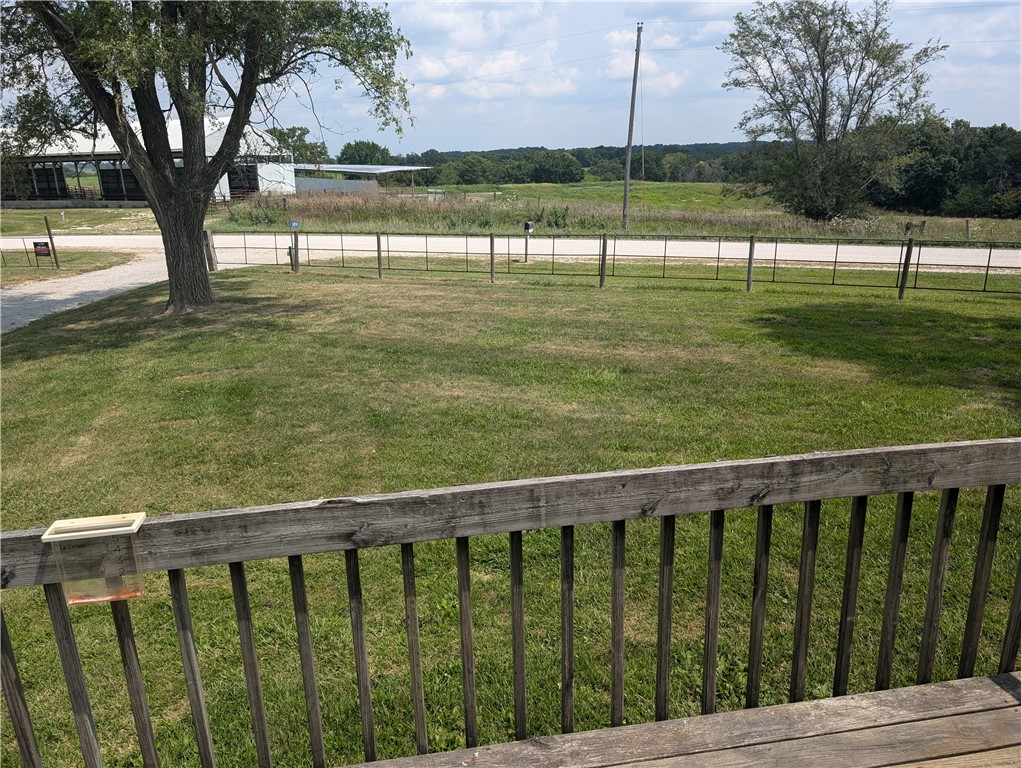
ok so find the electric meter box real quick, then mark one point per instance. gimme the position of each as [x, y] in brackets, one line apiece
[97, 557]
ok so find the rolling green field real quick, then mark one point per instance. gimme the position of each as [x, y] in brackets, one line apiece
[658, 208]
[663, 208]
[325, 384]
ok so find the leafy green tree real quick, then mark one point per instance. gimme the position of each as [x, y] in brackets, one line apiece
[364, 153]
[475, 169]
[515, 172]
[607, 170]
[294, 141]
[990, 171]
[823, 75]
[556, 168]
[67, 66]
[648, 166]
[930, 174]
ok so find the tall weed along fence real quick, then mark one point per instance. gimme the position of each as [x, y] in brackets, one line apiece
[985, 267]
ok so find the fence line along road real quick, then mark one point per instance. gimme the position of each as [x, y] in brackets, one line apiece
[992, 267]
[260, 248]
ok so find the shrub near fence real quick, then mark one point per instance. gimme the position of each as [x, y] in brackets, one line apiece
[987, 267]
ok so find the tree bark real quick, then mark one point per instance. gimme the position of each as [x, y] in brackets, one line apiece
[181, 222]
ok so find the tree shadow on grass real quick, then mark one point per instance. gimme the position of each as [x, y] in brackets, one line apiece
[915, 346]
[134, 317]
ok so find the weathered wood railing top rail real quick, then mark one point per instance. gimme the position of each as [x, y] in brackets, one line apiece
[331, 525]
[174, 543]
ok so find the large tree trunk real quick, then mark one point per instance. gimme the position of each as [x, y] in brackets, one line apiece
[181, 220]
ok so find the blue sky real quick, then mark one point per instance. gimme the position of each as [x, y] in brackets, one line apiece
[490, 75]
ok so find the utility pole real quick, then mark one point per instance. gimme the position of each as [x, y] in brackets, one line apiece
[631, 128]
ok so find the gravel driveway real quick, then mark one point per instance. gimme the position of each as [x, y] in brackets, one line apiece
[21, 304]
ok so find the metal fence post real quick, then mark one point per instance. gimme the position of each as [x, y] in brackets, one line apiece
[989, 262]
[602, 263]
[906, 270]
[379, 255]
[492, 258]
[751, 263]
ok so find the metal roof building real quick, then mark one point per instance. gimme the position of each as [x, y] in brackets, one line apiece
[260, 167]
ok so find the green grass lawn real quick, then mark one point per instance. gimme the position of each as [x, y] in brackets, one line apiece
[21, 268]
[325, 384]
[17, 222]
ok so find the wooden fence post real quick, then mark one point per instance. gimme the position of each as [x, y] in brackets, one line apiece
[751, 263]
[379, 255]
[295, 260]
[602, 262]
[906, 269]
[53, 246]
[207, 243]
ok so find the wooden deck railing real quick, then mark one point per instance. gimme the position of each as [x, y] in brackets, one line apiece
[176, 543]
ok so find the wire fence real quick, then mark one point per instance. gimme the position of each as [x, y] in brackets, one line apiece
[992, 267]
[34, 254]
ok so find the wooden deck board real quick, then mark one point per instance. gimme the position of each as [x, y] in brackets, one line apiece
[957, 719]
[992, 759]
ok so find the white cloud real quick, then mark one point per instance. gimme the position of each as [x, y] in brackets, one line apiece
[500, 74]
[548, 87]
[664, 84]
[619, 67]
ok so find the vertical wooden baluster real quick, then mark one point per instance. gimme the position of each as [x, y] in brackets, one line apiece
[354, 599]
[760, 588]
[190, 662]
[250, 662]
[518, 633]
[567, 629]
[414, 647]
[299, 598]
[617, 626]
[849, 601]
[980, 583]
[937, 578]
[14, 695]
[806, 586]
[712, 611]
[894, 581]
[1012, 636]
[136, 685]
[73, 675]
[667, 535]
[464, 601]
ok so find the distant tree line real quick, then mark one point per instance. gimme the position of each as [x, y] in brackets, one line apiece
[949, 168]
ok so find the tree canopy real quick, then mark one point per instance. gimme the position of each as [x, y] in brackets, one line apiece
[70, 67]
[294, 141]
[828, 81]
[364, 152]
